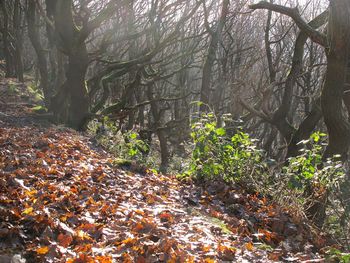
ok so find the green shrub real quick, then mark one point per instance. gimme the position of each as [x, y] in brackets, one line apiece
[308, 170]
[134, 147]
[308, 177]
[335, 255]
[127, 145]
[217, 155]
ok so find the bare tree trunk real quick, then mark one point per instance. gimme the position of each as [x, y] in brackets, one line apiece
[132, 55]
[10, 67]
[79, 101]
[161, 133]
[308, 30]
[280, 115]
[210, 59]
[305, 129]
[40, 52]
[333, 91]
[17, 19]
[71, 103]
[272, 71]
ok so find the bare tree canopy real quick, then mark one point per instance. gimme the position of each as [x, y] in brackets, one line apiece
[244, 94]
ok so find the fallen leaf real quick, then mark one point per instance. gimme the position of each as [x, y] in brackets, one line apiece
[28, 211]
[64, 240]
[166, 217]
[249, 246]
[104, 259]
[42, 250]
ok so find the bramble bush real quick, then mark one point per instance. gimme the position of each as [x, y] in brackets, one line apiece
[308, 177]
[308, 168]
[125, 145]
[219, 156]
[216, 155]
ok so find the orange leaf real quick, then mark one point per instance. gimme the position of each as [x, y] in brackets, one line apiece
[85, 248]
[42, 250]
[30, 193]
[64, 240]
[150, 200]
[249, 246]
[139, 212]
[129, 241]
[267, 235]
[83, 235]
[226, 253]
[190, 259]
[206, 248]
[127, 258]
[87, 227]
[104, 259]
[84, 258]
[139, 226]
[166, 217]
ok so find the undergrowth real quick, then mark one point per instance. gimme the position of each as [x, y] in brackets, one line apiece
[126, 146]
[219, 156]
[305, 180]
[234, 158]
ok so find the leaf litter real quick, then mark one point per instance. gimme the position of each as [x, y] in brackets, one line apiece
[63, 200]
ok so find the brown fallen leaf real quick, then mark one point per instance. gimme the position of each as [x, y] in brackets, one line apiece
[166, 217]
[226, 253]
[275, 255]
[64, 240]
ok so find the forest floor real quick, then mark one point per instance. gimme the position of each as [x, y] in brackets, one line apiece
[62, 199]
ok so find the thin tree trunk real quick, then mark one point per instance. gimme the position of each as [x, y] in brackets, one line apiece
[40, 52]
[10, 69]
[164, 151]
[210, 59]
[17, 19]
[305, 129]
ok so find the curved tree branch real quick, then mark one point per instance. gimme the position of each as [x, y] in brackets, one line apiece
[293, 13]
[297, 63]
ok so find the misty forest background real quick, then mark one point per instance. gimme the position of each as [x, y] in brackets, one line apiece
[214, 91]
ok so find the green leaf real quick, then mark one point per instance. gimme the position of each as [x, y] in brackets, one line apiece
[39, 109]
[220, 131]
[133, 135]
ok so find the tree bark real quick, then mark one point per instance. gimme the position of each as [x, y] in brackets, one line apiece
[210, 59]
[9, 62]
[17, 19]
[333, 91]
[305, 129]
[39, 50]
[279, 118]
[79, 102]
[71, 103]
[161, 134]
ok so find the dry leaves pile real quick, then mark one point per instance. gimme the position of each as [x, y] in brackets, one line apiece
[63, 201]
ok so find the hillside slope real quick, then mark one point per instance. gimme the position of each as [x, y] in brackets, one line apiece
[63, 200]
